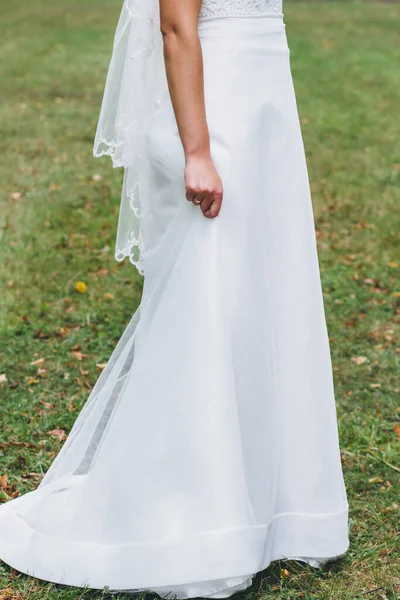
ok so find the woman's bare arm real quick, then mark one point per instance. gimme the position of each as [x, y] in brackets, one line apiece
[184, 68]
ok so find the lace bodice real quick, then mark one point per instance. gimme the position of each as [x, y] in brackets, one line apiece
[239, 8]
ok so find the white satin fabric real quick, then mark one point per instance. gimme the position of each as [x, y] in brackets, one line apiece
[209, 446]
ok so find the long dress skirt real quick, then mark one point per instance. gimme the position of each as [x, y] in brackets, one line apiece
[209, 445]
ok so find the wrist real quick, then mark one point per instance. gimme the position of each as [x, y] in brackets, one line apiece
[200, 153]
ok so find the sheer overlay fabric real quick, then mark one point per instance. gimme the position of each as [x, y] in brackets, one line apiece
[135, 85]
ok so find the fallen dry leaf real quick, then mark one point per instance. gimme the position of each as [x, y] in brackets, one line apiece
[59, 434]
[3, 378]
[9, 491]
[396, 428]
[359, 360]
[284, 573]
[35, 476]
[375, 480]
[386, 510]
[78, 354]
[31, 380]
[39, 361]
[23, 444]
[101, 366]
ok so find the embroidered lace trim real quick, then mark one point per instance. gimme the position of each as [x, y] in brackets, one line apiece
[239, 8]
[128, 101]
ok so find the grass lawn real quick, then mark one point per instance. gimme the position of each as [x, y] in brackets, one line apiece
[58, 221]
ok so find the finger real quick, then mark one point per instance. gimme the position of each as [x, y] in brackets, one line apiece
[206, 203]
[190, 195]
[215, 207]
[214, 210]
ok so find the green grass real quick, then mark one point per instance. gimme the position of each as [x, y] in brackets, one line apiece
[58, 221]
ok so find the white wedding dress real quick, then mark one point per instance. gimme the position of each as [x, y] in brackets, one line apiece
[209, 446]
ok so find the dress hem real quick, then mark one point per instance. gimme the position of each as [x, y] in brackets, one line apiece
[209, 556]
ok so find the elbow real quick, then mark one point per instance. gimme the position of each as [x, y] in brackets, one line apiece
[171, 40]
[176, 34]
[180, 36]
[169, 30]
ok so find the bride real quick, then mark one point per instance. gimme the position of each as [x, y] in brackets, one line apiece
[209, 445]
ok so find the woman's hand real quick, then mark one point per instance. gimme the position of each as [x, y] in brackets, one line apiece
[203, 185]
